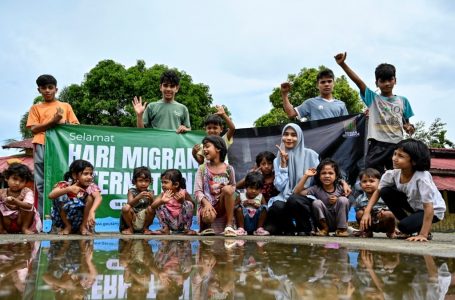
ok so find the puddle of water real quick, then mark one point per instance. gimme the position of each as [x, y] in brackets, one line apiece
[216, 269]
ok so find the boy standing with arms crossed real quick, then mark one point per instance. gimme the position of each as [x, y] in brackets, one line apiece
[388, 114]
[41, 117]
[165, 113]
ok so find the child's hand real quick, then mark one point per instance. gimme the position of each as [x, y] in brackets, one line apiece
[182, 129]
[146, 194]
[340, 58]
[180, 196]
[208, 212]
[220, 110]
[167, 196]
[285, 88]
[311, 172]
[196, 149]
[58, 115]
[417, 238]
[284, 156]
[11, 202]
[409, 128]
[333, 199]
[75, 189]
[365, 222]
[139, 108]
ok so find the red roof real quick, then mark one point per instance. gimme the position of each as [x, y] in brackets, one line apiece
[444, 183]
[26, 160]
[27, 144]
[443, 163]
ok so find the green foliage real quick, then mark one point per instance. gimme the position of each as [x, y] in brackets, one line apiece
[276, 116]
[304, 86]
[434, 136]
[26, 132]
[106, 94]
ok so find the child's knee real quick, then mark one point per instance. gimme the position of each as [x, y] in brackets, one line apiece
[126, 208]
[317, 204]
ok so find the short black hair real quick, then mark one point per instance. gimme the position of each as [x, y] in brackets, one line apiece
[325, 73]
[419, 153]
[170, 76]
[219, 144]
[19, 170]
[77, 167]
[254, 180]
[46, 79]
[141, 172]
[267, 155]
[214, 120]
[385, 72]
[322, 164]
[175, 176]
[370, 172]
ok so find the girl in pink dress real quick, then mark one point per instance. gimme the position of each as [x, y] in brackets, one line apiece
[17, 213]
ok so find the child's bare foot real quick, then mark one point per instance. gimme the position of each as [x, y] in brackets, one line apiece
[85, 230]
[27, 231]
[190, 232]
[128, 231]
[65, 231]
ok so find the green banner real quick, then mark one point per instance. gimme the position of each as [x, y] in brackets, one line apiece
[115, 152]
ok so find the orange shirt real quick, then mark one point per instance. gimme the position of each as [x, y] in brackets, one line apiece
[44, 112]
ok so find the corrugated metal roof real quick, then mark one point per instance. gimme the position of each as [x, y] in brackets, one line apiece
[26, 160]
[444, 183]
[27, 144]
[443, 163]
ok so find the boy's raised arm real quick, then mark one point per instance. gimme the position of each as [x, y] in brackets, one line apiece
[288, 108]
[230, 125]
[340, 58]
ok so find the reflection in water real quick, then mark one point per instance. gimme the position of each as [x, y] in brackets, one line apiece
[216, 269]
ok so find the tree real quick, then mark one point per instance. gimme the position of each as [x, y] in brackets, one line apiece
[434, 136]
[304, 87]
[104, 97]
[26, 132]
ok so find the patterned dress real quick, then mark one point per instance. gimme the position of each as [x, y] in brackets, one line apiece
[175, 215]
[72, 205]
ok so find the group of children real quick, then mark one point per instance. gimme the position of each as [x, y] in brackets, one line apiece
[291, 193]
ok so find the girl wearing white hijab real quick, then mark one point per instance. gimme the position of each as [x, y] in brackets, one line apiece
[292, 160]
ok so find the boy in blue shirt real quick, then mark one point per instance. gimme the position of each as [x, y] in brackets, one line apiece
[323, 106]
[388, 114]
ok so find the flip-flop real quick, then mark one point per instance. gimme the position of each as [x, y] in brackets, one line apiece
[207, 232]
[229, 231]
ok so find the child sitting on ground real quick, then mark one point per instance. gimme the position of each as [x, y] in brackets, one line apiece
[75, 200]
[17, 213]
[331, 208]
[409, 192]
[213, 125]
[383, 219]
[137, 215]
[251, 207]
[174, 206]
[214, 188]
[264, 165]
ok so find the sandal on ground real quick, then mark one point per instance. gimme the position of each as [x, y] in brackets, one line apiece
[240, 231]
[229, 231]
[321, 232]
[397, 235]
[261, 231]
[157, 232]
[207, 232]
[341, 233]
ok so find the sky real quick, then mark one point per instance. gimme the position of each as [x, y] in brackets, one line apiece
[240, 49]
